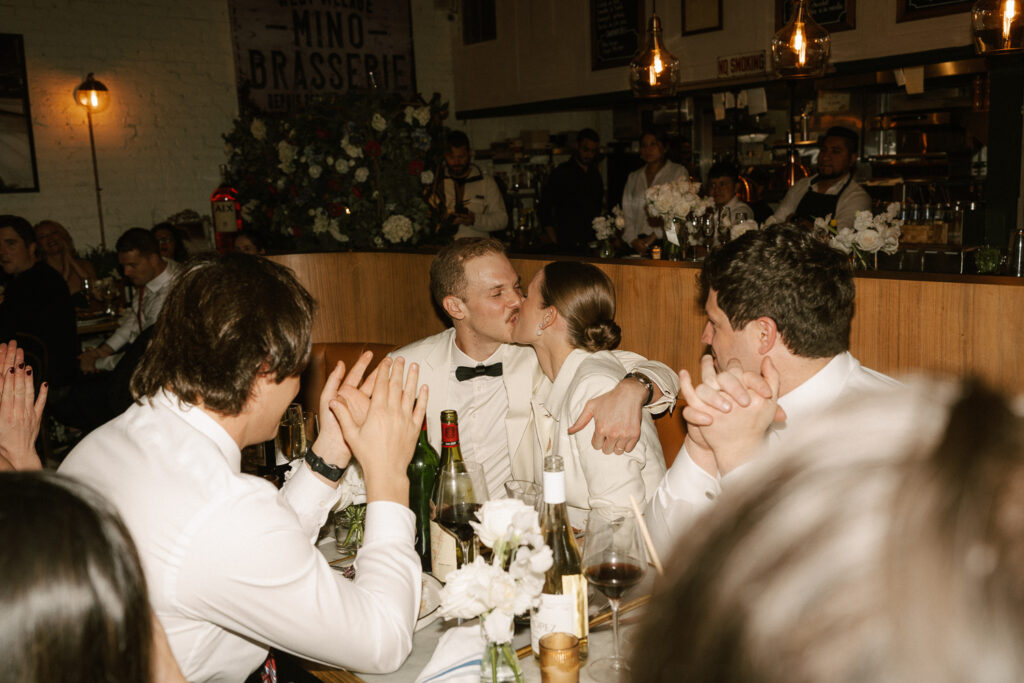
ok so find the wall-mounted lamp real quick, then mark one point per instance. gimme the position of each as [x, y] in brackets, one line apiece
[801, 48]
[95, 97]
[654, 72]
[998, 26]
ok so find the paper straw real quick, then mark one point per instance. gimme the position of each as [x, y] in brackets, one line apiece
[647, 537]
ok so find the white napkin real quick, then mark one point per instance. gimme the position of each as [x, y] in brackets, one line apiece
[456, 658]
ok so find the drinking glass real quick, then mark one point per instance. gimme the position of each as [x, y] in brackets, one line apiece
[706, 225]
[108, 290]
[461, 492]
[311, 427]
[614, 559]
[526, 491]
[291, 434]
[87, 288]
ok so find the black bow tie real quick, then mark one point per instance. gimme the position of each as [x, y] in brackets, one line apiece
[464, 372]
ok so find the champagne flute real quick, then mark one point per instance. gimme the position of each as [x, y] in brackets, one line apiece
[461, 492]
[614, 559]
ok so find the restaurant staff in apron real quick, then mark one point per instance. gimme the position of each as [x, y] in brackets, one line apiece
[833, 191]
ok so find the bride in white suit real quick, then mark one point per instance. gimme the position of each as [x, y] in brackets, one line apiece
[568, 318]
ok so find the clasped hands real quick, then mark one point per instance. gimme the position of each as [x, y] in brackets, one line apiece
[376, 420]
[728, 413]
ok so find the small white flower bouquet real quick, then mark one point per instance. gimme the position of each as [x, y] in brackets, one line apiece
[606, 227]
[510, 584]
[870, 234]
[675, 201]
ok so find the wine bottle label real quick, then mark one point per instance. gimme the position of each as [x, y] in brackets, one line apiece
[442, 551]
[449, 434]
[224, 219]
[565, 613]
[554, 487]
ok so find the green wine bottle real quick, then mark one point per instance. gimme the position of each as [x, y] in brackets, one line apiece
[422, 473]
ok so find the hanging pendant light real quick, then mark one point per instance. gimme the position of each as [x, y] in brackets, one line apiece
[998, 26]
[801, 48]
[654, 72]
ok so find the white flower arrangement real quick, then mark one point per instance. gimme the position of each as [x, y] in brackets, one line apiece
[397, 229]
[286, 155]
[362, 173]
[511, 584]
[870, 234]
[427, 177]
[420, 115]
[258, 129]
[606, 227]
[675, 201]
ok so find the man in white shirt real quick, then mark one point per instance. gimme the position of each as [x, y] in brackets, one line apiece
[779, 304]
[469, 199]
[723, 181]
[139, 254]
[474, 369]
[231, 562]
[833, 191]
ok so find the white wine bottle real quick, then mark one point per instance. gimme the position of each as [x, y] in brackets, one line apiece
[444, 548]
[563, 602]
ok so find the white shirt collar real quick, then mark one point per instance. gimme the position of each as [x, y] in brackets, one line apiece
[559, 390]
[164, 278]
[199, 420]
[835, 187]
[821, 389]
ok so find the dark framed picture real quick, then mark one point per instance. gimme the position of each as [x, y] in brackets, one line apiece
[912, 10]
[833, 15]
[17, 149]
[701, 16]
[616, 32]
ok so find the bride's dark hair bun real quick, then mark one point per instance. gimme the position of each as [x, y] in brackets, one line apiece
[585, 298]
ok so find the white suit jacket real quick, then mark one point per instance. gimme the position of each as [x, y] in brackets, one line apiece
[522, 376]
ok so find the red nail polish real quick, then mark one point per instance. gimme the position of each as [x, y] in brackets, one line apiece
[21, 366]
[29, 371]
[12, 370]
[46, 384]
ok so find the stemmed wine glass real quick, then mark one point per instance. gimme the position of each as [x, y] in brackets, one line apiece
[108, 290]
[461, 492]
[614, 559]
[707, 229]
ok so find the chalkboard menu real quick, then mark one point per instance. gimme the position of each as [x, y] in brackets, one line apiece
[909, 10]
[616, 32]
[834, 15]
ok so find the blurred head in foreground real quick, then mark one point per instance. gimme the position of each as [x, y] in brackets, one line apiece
[845, 559]
[73, 603]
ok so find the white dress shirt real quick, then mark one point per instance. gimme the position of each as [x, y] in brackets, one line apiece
[634, 199]
[688, 490]
[521, 377]
[150, 303]
[482, 404]
[855, 198]
[230, 561]
[592, 477]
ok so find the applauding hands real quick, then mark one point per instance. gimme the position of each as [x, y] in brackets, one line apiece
[20, 411]
[728, 413]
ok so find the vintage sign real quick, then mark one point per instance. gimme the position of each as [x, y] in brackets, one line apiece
[292, 52]
[742, 65]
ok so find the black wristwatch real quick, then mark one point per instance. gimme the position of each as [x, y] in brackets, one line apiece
[317, 464]
[644, 380]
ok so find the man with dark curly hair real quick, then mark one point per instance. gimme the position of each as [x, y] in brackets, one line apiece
[779, 304]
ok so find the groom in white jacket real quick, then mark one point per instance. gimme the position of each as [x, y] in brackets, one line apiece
[474, 369]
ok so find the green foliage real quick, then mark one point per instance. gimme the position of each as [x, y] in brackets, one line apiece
[331, 176]
[104, 261]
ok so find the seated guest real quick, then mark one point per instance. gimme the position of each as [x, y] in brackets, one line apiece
[830, 192]
[21, 412]
[170, 242]
[474, 368]
[73, 603]
[252, 243]
[568, 318]
[231, 562]
[779, 304]
[59, 253]
[35, 305]
[884, 544]
[139, 254]
[723, 181]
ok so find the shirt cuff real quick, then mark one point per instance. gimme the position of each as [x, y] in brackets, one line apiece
[686, 480]
[389, 521]
[309, 497]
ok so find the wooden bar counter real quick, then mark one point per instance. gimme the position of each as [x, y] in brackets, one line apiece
[904, 323]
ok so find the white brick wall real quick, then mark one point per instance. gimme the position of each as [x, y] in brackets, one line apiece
[170, 70]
